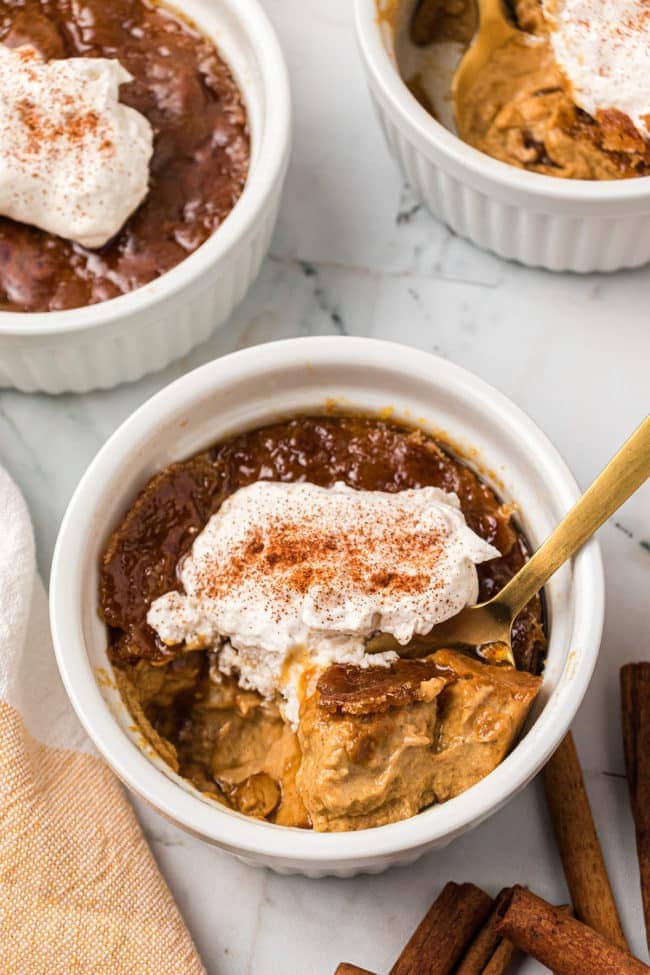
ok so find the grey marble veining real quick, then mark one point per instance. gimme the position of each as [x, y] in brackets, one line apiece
[355, 254]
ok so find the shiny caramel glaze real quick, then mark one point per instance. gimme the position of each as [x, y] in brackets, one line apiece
[199, 165]
[355, 690]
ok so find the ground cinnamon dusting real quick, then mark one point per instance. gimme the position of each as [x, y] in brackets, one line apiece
[304, 554]
[75, 130]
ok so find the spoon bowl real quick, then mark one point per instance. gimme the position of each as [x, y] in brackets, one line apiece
[494, 31]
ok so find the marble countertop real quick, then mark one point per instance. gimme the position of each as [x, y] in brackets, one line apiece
[355, 254]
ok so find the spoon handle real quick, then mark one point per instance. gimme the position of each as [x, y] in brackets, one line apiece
[624, 474]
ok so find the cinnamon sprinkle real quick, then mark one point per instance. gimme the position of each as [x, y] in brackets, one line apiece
[306, 553]
[75, 129]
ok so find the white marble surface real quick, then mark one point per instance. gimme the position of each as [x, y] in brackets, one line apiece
[355, 254]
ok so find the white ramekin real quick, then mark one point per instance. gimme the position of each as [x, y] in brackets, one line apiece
[559, 224]
[256, 386]
[145, 330]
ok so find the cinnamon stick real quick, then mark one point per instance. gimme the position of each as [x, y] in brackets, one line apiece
[437, 944]
[635, 706]
[347, 969]
[560, 942]
[577, 839]
[485, 944]
[500, 961]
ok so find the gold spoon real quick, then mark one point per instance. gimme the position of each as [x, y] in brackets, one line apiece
[494, 31]
[491, 623]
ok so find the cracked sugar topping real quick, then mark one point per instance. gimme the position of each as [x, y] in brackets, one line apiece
[73, 160]
[603, 47]
[282, 566]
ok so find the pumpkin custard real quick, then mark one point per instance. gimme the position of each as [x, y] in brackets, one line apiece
[568, 99]
[240, 590]
[125, 146]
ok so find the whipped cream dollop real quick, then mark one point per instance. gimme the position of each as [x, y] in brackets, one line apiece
[288, 577]
[603, 48]
[73, 160]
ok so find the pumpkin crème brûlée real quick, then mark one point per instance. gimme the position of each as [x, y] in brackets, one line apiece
[570, 98]
[240, 591]
[125, 146]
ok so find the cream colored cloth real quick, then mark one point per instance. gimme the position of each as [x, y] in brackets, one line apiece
[79, 889]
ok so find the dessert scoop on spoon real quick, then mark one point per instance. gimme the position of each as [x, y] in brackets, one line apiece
[487, 627]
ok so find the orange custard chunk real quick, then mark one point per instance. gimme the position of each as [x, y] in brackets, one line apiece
[379, 745]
